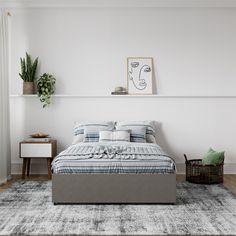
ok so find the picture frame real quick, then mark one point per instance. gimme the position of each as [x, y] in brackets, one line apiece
[140, 75]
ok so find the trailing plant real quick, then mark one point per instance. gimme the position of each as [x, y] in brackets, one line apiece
[28, 69]
[45, 88]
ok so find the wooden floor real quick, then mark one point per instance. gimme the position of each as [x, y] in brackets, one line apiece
[229, 181]
[18, 177]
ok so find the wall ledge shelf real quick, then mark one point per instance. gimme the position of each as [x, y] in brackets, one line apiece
[125, 96]
[117, 4]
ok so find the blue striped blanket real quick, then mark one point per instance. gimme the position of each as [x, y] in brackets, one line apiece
[113, 157]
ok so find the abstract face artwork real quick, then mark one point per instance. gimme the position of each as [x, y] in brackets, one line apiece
[139, 75]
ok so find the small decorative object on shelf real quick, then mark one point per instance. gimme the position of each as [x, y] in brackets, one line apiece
[37, 149]
[28, 71]
[119, 91]
[199, 173]
[45, 88]
[37, 140]
[39, 137]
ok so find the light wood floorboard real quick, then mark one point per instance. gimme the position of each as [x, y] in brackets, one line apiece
[229, 181]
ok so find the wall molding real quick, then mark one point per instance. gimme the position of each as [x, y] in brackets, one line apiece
[124, 96]
[117, 3]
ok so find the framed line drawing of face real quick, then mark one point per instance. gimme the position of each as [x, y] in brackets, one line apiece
[139, 75]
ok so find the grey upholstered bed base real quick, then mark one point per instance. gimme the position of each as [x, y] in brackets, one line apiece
[113, 188]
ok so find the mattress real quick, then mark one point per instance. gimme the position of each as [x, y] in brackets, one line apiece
[113, 157]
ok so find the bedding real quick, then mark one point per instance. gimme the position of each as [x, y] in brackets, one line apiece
[90, 126]
[134, 125]
[115, 135]
[91, 134]
[137, 134]
[113, 157]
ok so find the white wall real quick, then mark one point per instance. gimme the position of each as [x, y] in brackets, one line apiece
[86, 48]
[194, 50]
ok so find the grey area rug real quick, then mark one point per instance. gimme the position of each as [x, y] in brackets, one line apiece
[26, 209]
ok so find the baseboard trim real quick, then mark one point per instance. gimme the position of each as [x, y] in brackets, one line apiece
[3, 181]
[35, 168]
[41, 168]
[229, 168]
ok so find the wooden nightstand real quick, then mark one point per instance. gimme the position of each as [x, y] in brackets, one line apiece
[36, 150]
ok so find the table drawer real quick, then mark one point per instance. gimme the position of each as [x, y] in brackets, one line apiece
[36, 150]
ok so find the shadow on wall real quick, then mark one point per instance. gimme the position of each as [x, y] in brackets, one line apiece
[161, 140]
[154, 81]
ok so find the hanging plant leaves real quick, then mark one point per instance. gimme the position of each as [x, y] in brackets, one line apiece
[45, 88]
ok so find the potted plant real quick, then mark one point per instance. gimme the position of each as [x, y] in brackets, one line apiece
[45, 88]
[28, 71]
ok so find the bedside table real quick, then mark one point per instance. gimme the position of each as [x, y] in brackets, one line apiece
[36, 150]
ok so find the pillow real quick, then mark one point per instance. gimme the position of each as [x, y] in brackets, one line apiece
[137, 134]
[96, 125]
[150, 128]
[91, 134]
[213, 157]
[116, 135]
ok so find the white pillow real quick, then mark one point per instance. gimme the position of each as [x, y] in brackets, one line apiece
[95, 125]
[116, 135]
[150, 128]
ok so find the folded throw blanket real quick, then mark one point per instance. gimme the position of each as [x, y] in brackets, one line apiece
[114, 150]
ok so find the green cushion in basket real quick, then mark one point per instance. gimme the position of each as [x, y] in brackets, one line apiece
[213, 157]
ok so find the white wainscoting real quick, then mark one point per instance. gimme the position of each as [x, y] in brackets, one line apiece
[187, 125]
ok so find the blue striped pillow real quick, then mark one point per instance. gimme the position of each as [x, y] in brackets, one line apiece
[137, 134]
[80, 127]
[150, 128]
[91, 134]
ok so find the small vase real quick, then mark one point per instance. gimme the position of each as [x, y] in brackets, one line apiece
[28, 87]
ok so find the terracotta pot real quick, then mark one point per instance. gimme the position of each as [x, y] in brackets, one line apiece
[28, 87]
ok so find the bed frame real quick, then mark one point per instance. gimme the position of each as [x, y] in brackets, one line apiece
[113, 188]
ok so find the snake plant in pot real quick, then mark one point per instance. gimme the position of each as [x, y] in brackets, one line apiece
[45, 88]
[28, 71]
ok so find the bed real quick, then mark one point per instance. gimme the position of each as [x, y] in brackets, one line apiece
[113, 172]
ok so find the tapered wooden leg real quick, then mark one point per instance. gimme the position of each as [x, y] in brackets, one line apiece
[28, 166]
[24, 168]
[49, 161]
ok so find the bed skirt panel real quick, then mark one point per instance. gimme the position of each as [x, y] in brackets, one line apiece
[113, 188]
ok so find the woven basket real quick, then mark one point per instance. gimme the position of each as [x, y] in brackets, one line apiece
[198, 173]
